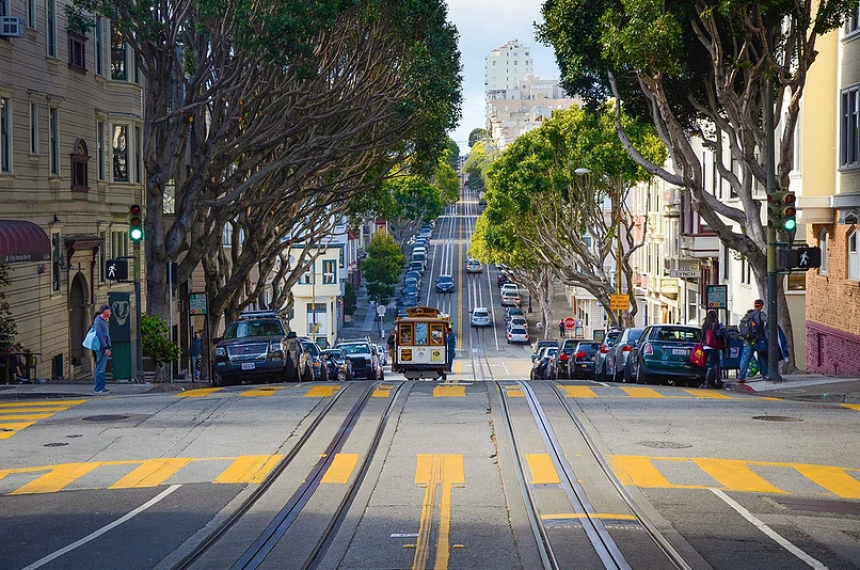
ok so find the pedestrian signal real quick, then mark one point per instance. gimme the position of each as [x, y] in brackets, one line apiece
[802, 258]
[135, 223]
[116, 269]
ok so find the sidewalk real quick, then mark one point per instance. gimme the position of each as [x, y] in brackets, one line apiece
[84, 388]
[365, 321]
[805, 387]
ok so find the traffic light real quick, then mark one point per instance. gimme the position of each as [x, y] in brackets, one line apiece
[775, 201]
[789, 212]
[135, 223]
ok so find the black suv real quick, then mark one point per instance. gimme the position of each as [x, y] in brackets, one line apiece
[365, 363]
[257, 346]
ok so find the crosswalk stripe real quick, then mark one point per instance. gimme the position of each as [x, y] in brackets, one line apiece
[322, 391]
[449, 391]
[64, 404]
[198, 392]
[855, 407]
[57, 478]
[834, 479]
[262, 392]
[579, 392]
[152, 473]
[735, 475]
[643, 393]
[514, 392]
[4, 417]
[249, 469]
[23, 409]
[8, 429]
[542, 469]
[710, 394]
[341, 468]
[641, 472]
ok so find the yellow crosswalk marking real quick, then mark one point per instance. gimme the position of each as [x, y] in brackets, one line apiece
[62, 404]
[643, 393]
[322, 391]
[641, 472]
[8, 429]
[735, 475]
[834, 479]
[710, 394]
[249, 469]
[152, 473]
[542, 469]
[6, 417]
[57, 479]
[198, 392]
[579, 392]
[258, 392]
[458, 367]
[604, 516]
[514, 392]
[449, 391]
[383, 391]
[341, 468]
[855, 407]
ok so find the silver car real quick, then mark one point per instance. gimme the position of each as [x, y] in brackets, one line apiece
[616, 358]
[481, 317]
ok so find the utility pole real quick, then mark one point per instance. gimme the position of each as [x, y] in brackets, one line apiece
[618, 255]
[135, 232]
[772, 262]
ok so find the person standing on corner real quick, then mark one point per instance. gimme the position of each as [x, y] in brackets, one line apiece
[713, 342]
[561, 328]
[100, 324]
[451, 348]
[752, 330]
[196, 351]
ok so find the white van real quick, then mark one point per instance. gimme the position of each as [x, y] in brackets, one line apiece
[421, 257]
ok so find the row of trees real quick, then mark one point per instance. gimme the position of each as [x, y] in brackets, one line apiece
[265, 120]
[700, 69]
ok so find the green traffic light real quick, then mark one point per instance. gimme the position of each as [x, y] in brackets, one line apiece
[136, 234]
[789, 225]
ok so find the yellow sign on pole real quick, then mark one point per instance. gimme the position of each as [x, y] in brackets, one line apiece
[619, 302]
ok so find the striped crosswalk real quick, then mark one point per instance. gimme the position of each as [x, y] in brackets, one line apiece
[15, 416]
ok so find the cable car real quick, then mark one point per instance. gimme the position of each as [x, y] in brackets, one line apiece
[420, 344]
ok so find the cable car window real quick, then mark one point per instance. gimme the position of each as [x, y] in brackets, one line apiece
[437, 335]
[420, 334]
[405, 334]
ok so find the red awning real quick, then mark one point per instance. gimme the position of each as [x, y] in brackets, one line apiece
[23, 241]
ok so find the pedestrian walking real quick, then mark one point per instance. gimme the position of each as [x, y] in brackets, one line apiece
[102, 353]
[713, 341]
[451, 348]
[753, 332]
[196, 352]
[391, 344]
[561, 328]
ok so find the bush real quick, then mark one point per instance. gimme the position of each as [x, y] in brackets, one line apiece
[155, 338]
[349, 299]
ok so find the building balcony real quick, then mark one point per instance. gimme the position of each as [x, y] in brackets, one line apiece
[668, 286]
[309, 291]
[700, 246]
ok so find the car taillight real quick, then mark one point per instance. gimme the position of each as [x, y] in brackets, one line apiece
[580, 354]
[604, 349]
[564, 357]
[627, 348]
[647, 349]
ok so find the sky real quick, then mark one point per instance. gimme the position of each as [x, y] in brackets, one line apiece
[483, 26]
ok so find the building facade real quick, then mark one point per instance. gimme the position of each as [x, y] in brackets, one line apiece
[506, 66]
[70, 166]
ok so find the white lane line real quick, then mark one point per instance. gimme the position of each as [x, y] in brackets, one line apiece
[51, 557]
[779, 539]
[492, 307]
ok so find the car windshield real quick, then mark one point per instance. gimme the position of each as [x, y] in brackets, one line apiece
[678, 334]
[335, 353]
[516, 330]
[355, 348]
[244, 329]
[481, 314]
[444, 279]
[311, 347]
[588, 347]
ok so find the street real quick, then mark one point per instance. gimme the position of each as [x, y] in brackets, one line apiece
[484, 471]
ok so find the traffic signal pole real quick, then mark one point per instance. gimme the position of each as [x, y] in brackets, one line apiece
[135, 232]
[772, 264]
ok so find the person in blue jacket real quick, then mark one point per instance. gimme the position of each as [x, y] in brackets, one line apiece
[451, 347]
[100, 324]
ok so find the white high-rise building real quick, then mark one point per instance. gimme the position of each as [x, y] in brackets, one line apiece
[506, 66]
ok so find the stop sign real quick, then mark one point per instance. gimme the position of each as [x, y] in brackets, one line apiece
[569, 323]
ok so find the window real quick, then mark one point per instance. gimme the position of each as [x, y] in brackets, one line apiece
[853, 22]
[316, 315]
[54, 138]
[119, 244]
[118, 69]
[100, 58]
[849, 138]
[329, 275]
[138, 148]
[854, 255]
[34, 128]
[80, 165]
[4, 7]
[5, 133]
[31, 14]
[102, 256]
[77, 52]
[823, 244]
[100, 148]
[120, 153]
[56, 262]
[51, 10]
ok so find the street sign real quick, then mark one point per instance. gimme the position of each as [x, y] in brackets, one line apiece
[619, 302]
[717, 296]
[116, 269]
[684, 273]
[380, 310]
[569, 323]
[197, 303]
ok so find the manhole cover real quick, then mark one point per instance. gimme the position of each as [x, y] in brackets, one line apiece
[777, 419]
[665, 444]
[106, 418]
[55, 444]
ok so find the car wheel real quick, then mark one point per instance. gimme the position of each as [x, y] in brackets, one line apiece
[617, 377]
[626, 375]
[308, 375]
[642, 377]
[342, 377]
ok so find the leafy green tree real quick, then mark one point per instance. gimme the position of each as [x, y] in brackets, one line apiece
[8, 327]
[702, 67]
[383, 267]
[571, 221]
[478, 135]
[155, 340]
[476, 166]
[453, 154]
[448, 183]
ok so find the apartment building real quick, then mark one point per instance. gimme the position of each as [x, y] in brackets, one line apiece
[830, 206]
[70, 166]
[506, 66]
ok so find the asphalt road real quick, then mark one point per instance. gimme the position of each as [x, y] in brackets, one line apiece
[484, 471]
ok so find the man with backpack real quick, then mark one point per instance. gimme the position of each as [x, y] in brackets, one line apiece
[753, 332]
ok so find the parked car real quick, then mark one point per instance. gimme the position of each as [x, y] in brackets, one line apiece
[662, 355]
[502, 279]
[480, 317]
[512, 312]
[313, 350]
[544, 343]
[444, 284]
[600, 362]
[518, 334]
[474, 266]
[582, 360]
[511, 299]
[616, 358]
[257, 346]
[364, 361]
[541, 363]
[338, 365]
[509, 287]
[416, 266]
[518, 322]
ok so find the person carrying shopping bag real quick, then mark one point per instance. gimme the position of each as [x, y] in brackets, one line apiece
[713, 341]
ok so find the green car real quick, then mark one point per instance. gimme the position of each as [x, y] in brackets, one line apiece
[662, 355]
